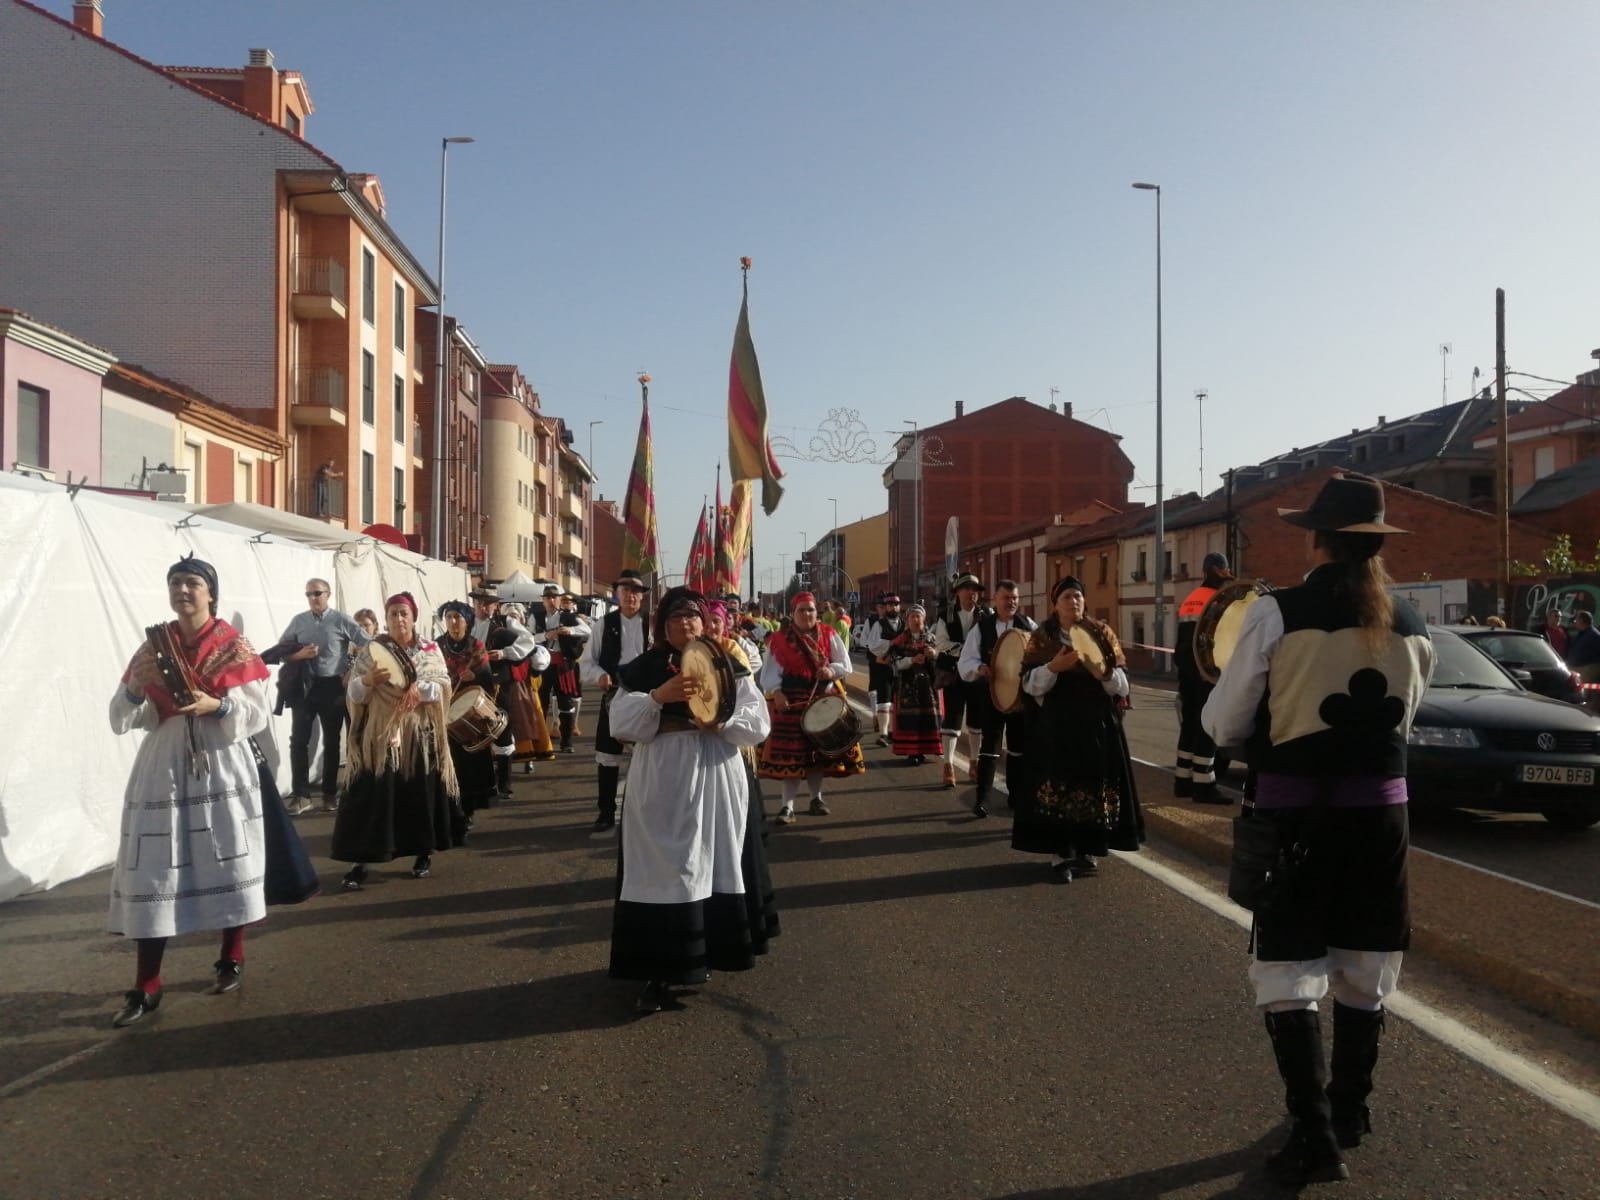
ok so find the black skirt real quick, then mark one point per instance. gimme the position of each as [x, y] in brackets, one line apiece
[388, 816]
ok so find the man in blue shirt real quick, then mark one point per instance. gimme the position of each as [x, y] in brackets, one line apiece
[328, 639]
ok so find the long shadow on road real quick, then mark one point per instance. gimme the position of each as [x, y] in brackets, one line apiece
[560, 1004]
[1163, 1181]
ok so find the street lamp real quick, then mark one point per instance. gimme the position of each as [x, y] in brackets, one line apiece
[1161, 516]
[916, 511]
[589, 538]
[833, 545]
[436, 537]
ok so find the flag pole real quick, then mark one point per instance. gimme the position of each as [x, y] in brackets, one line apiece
[744, 288]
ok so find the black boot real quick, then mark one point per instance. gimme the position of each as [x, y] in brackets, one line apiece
[1013, 778]
[568, 720]
[986, 766]
[607, 819]
[1311, 1155]
[502, 775]
[1356, 1033]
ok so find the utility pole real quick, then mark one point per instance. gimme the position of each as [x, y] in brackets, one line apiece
[1200, 401]
[1502, 464]
[1444, 372]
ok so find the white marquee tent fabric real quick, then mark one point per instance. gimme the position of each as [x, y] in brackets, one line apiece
[81, 575]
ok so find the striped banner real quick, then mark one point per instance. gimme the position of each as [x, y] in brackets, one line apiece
[749, 449]
[639, 552]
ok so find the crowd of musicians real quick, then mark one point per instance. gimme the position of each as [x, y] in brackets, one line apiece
[701, 702]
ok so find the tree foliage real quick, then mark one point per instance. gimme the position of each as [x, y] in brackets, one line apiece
[1559, 560]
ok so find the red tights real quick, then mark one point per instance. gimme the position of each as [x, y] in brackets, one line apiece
[147, 976]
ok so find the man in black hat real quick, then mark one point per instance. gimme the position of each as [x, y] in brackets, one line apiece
[1196, 775]
[624, 635]
[508, 642]
[1338, 670]
[880, 631]
[949, 635]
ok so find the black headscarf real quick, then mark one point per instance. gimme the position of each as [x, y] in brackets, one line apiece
[1062, 584]
[458, 606]
[190, 565]
[676, 600]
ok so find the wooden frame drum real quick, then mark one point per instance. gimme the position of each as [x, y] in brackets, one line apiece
[709, 665]
[1217, 632]
[1005, 670]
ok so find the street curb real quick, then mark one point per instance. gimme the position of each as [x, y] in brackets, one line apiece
[1491, 930]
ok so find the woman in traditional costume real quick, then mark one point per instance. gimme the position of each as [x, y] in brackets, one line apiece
[400, 791]
[914, 725]
[803, 659]
[1078, 799]
[467, 663]
[681, 907]
[192, 854]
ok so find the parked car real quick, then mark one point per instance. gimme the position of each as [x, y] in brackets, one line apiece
[1481, 740]
[1531, 660]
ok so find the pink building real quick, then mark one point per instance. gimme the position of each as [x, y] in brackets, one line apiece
[50, 386]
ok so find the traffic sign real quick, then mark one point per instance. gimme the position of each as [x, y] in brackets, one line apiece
[852, 597]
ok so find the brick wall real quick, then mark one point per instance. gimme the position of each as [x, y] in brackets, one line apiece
[138, 213]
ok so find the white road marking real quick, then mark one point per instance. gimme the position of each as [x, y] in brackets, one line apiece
[1577, 1103]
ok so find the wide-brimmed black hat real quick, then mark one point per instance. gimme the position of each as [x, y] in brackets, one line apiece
[485, 591]
[966, 580]
[888, 598]
[630, 579]
[1346, 504]
[551, 590]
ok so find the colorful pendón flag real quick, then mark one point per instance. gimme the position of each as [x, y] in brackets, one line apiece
[749, 448]
[639, 551]
[698, 573]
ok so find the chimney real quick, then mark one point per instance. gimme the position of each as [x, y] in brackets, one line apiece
[88, 16]
[961, 409]
[1381, 422]
[1066, 408]
[258, 58]
[261, 87]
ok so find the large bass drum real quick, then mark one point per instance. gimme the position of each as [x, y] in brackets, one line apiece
[1217, 632]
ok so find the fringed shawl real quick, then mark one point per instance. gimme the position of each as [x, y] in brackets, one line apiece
[413, 742]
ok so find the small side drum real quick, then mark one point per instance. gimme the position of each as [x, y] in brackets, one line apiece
[474, 720]
[834, 724]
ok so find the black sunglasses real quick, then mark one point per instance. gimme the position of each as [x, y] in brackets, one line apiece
[310, 595]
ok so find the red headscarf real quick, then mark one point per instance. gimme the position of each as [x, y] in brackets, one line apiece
[402, 598]
[802, 598]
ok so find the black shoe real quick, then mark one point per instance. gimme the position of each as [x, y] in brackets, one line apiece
[352, 879]
[566, 747]
[603, 825]
[1061, 872]
[979, 809]
[230, 975]
[1182, 788]
[423, 867]
[651, 998]
[1208, 793]
[136, 1004]
[1084, 865]
[818, 808]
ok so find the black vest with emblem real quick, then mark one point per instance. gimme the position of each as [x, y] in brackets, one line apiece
[1356, 702]
[609, 659]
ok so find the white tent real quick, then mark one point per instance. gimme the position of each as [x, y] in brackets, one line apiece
[81, 574]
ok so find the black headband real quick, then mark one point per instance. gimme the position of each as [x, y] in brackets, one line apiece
[190, 565]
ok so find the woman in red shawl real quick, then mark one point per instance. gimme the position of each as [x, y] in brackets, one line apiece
[192, 854]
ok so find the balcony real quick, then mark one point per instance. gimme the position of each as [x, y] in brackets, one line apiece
[320, 397]
[573, 505]
[319, 288]
[418, 459]
[571, 544]
[323, 499]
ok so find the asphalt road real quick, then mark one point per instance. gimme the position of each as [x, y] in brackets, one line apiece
[935, 1021]
[1523, 846]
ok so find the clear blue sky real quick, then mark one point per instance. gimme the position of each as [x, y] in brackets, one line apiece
[936, 196]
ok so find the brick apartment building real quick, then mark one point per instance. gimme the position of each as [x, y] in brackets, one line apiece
[231, 254]
[994, 468]
[464, 527]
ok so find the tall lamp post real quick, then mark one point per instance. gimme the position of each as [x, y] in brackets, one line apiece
[1161, 516]
[916, 510]
[436, 536]
[588, 532]
[833, 545]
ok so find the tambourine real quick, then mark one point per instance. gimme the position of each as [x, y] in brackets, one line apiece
[710, 666]
[1217, 632]
[387, 653]
[1096, 654]
[1005, 670]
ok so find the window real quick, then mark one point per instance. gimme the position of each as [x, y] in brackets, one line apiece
[544, 500]
[1105, 566]
[369, 287]
[399, 498]
[1544, 461]
[369, 483]
[542, 545]
[1361, 453]
[33, 426]
[369, 398]
[399, 316]
[399, 409]
[1142, 570]
[1138, 629]
[191, 462]
[291, 121]
[244, 480]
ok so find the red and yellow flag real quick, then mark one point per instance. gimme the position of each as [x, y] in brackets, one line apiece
[749, 448]
[741, 505]
[639, 552]
[697, 574]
